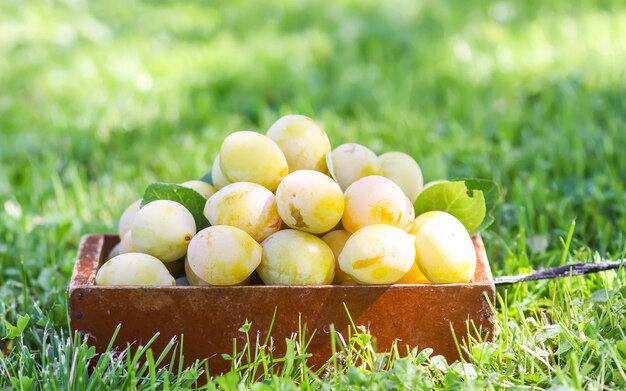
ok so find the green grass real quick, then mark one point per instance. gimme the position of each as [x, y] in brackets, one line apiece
[99, 99]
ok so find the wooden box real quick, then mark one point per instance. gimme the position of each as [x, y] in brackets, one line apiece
[422, 315]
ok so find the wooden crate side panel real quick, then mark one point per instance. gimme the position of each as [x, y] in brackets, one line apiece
[210, 319]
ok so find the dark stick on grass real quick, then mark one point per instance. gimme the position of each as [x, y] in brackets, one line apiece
[574, 269]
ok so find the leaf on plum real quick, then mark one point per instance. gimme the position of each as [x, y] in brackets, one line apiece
[463, 201]
[329, 164]
[491, 192]
[189, 198]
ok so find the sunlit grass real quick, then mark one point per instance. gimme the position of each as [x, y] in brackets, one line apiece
[98, 99]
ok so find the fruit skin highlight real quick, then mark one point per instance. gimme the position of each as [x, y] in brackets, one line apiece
[310, 201]
[404, 171]
[126, 244]
[247, 156]
[378, 254]
[420, 220]
[247, 206]
[223, 255]
[163, 229]
[128, 218]
[374, 200]
[353, 161]
[408, 217]
[115, 251]
[302, 141]
[336, 240]
[192, 278]
[293, 257]
[219, 180]
[134, 269]
[203, 188]
[444, 251]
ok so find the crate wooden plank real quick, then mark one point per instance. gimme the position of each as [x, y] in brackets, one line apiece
[423, 315]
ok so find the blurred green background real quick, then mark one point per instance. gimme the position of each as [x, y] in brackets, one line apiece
[100, 98]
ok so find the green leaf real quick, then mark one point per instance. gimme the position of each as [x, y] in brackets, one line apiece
[601, 296]
[621, 348]
[453, 380]
[548, 332]
[491, 192]
[58, 315]
[467, 205]
[18, 329]
[246, 327]
[228, 381]
[189, 198]
[329, 164]
[24, 382]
